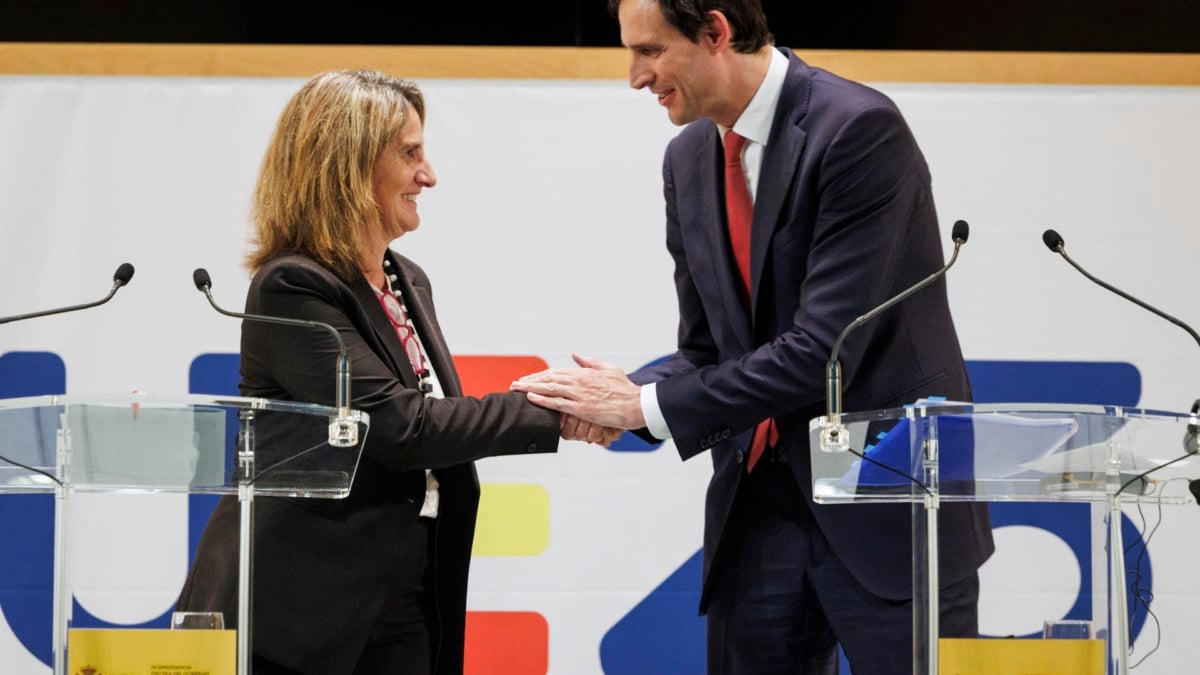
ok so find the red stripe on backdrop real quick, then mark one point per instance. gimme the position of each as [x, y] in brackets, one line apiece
[507, 643]
[502, 643]
[482, 375]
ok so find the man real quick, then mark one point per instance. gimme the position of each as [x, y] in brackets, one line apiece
[842, 218]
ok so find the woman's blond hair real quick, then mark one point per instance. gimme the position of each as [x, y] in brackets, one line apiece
[314, 193]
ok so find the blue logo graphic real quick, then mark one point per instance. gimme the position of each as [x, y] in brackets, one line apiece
[27, 521]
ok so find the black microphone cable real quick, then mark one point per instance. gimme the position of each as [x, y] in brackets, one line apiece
[909, 477]
[1142, 596]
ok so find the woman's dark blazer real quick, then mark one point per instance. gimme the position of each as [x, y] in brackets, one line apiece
[322, 568]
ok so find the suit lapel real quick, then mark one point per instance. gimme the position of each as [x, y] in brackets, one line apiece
[710, 159]
[781, 158]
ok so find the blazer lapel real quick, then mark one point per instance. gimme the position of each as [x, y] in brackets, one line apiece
[385, 333]
[419, 301]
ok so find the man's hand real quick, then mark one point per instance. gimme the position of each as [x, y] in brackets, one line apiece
[596, 392]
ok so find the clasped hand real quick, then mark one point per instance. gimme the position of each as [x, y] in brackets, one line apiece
[596, 401]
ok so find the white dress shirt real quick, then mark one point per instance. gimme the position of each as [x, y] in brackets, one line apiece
[754, 125]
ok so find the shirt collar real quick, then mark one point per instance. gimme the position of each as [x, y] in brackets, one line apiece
[754, 124]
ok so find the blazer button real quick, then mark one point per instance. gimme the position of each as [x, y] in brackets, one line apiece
[741, 456]
[533, 447]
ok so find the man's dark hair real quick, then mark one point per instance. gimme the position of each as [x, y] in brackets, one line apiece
[689, 17]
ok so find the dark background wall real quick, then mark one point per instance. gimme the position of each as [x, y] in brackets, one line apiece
[1021, 25]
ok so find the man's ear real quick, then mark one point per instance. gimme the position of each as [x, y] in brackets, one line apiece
[717, 34]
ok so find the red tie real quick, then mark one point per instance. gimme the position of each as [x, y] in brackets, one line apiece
[739, 211]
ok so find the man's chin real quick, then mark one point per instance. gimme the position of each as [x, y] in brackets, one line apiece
[680, 118]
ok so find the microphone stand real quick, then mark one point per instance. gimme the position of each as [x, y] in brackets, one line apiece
[121, 277]
[343, 432]
[835, 437]
[61, 609]
[1118, 602]
[1055, 243]
[343, 428]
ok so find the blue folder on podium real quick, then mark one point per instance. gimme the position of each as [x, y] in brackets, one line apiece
[970, 447]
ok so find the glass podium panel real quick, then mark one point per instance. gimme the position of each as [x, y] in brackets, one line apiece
[248, 447]
[936, 451]
[1008, 452]
[188, 444]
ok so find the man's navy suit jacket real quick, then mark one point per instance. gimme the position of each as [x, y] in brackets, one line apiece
[843, 220]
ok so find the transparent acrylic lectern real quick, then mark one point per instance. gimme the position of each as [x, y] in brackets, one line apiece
[135, 443]
[934, 451]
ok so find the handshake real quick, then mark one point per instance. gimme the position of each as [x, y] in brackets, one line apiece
[595, 402]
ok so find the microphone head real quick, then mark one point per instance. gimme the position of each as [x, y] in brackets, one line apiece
[1191, 441]
[960, 232]
[123, 274]
[201, 279]
[1053, 240]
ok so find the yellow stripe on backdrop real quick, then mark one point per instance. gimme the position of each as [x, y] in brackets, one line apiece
[602, 63]
[514, 520]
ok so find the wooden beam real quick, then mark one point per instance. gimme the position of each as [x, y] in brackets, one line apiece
[604, 63]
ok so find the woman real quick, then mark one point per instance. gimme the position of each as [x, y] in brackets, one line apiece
[375, 583]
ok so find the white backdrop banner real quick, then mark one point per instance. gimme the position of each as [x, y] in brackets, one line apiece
[543, 237]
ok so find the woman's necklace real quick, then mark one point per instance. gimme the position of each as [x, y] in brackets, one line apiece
[407, 332]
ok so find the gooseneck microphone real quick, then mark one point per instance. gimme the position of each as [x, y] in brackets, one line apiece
[343, 429]
[121, 277]
[1054, 242]
[834, 435]
[1191, 444]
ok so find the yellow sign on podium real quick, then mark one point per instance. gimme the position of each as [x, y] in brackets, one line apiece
[121, 651]
[999, 656]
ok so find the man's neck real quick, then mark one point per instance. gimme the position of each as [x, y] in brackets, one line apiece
[746, 75]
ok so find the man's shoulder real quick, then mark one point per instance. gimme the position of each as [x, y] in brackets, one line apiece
[830, 91]
[801, 73]
[811, 88]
